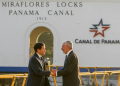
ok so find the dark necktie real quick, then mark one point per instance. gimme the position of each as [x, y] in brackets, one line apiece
[42, 61]
[65, 59]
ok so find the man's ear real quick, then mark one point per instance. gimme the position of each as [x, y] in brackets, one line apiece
[38, 50]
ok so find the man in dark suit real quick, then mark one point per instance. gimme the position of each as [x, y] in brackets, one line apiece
[37, 75]
[70, 71]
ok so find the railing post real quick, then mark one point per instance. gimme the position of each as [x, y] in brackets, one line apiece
[95, 80]
[118, 79]
[89, 71]
[103, 80]
[56, 67]
[107, 78]
[23, 84]
[54, 80]
[13, 81]
[94, 75]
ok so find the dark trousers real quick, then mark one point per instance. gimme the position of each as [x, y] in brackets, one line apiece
[46, 82]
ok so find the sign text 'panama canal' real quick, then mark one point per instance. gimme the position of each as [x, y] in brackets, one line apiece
[47, 5]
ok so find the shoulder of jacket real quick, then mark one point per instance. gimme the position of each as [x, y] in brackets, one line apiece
[73, 54]
[33, 58]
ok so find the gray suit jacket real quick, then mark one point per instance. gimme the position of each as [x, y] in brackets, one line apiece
[70, 72]
[37, 74]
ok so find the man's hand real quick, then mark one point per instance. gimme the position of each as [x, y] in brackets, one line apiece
[53, 72]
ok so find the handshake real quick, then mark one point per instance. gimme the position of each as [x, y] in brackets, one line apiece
[53, 72]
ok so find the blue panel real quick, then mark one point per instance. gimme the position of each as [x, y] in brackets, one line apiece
[83, 70]
[108, 69]
[13, 69]
[59, 68]
[101, 69]
[114, 69]
[25, 69]
[92, 70]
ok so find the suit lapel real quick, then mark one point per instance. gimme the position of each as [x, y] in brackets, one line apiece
[40, 61]
[68, 59]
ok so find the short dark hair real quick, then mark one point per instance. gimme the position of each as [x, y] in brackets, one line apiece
[38, 46]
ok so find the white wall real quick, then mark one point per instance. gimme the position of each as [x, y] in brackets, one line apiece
[15, 31]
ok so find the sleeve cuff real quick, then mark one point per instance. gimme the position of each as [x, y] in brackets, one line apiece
[56, 73]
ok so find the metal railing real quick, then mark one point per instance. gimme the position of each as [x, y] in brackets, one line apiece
[88, 73]
[14, 76]
[107, 71]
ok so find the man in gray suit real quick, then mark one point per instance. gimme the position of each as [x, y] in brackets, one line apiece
[37, 75]
[70, 71]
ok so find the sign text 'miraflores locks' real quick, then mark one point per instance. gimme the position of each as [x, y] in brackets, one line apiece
[41, 4]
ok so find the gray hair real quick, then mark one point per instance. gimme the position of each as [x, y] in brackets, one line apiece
[69, 43]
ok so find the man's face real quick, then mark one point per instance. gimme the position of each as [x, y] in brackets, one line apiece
[64, 48]
[42, 50]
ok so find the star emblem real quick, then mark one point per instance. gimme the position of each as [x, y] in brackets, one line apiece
[99, 28]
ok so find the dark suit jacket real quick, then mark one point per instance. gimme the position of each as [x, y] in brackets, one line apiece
[37, 75]
[70, 72]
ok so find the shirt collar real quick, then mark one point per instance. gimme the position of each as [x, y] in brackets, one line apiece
[68, 52]
[39, 55]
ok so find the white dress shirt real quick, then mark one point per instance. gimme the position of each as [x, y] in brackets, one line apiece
[68, 53]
